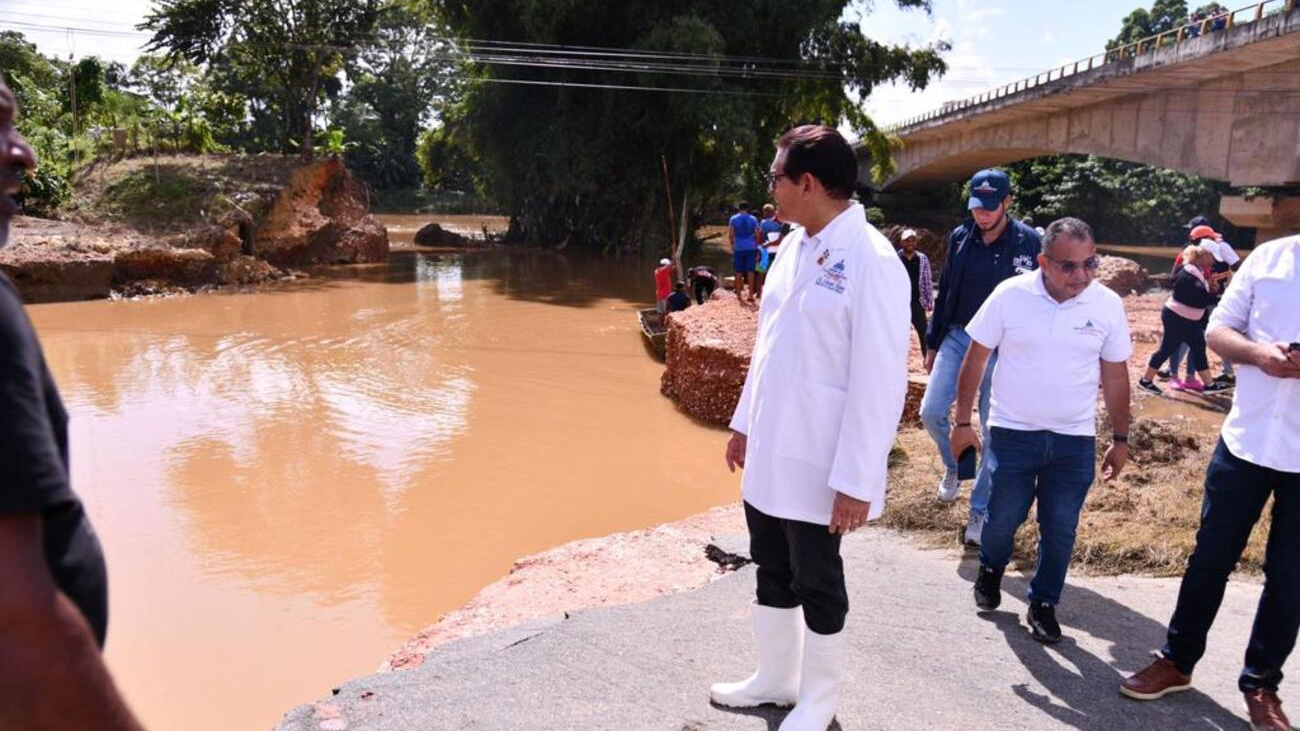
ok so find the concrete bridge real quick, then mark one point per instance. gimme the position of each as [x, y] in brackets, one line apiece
[1222, 104]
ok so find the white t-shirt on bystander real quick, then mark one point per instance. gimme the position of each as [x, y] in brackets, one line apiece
[1049, 353]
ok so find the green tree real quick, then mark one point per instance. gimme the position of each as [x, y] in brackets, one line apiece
[1125, 202]
[1164, 15]
[396, 79]
[283, 55]
[570, 162]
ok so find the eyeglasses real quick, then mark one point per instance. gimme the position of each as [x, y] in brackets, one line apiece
[771, 179]
[1091, 264]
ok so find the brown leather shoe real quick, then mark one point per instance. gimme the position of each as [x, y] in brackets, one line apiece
[1265, 710]
[1157, 680]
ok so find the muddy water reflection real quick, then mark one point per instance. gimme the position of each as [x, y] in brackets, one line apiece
[290, 483]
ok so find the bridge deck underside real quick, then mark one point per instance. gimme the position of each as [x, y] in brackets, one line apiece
[1225, 106]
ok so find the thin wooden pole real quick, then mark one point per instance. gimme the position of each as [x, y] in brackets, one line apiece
[668, 198]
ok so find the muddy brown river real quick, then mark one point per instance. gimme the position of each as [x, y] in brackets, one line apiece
[291, 483]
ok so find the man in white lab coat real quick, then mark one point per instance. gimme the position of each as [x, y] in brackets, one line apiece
[816, 421]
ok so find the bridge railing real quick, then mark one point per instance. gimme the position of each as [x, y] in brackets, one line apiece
[1212, 24]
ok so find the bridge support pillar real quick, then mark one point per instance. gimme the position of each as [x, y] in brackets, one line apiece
[1270, 217]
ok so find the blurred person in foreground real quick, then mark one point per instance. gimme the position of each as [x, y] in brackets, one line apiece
[1257, 457]
[53, 582]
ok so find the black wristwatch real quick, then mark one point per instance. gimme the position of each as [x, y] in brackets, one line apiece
[1119, 438]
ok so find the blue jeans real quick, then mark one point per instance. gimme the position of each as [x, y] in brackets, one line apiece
[1235, 493]
[1057, 469]
[940, 394]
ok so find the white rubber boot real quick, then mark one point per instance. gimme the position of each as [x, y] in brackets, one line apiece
[778, 635]
[819, 687]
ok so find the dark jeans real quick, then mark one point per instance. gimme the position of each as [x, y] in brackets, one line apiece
[799, 564]
[1235, 493]
[703, 289]
[1179, 330]
[1057, 470]
[918, 322]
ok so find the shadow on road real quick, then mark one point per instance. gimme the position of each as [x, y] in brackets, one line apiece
[771, 714]
[1081, 689]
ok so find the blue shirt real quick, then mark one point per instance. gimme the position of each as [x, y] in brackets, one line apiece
[767, 226]
[980, 275]
[743, 226]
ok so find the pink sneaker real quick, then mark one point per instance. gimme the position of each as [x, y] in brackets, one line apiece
[1193, 384]
[1176, 384]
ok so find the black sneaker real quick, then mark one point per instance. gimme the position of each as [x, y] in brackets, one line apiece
[1149, 387]
[1217, 386]
[1164, 374]
[1225, 378]
[988, 588]
[1042, 622]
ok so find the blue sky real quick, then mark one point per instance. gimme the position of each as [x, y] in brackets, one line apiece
[993, 41]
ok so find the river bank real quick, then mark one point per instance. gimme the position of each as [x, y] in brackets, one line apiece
[292, 482]
[1143, 523]
[184, 224]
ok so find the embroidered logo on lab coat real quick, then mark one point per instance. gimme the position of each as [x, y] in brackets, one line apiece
[832, 278]
[1023, 263]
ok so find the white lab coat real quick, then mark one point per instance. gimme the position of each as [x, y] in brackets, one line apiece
[828, 375]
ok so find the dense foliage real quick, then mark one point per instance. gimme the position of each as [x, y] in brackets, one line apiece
[1124, 202]
[573, 163]
[282, 56]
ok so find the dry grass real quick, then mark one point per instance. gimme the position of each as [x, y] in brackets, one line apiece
[1145, 522]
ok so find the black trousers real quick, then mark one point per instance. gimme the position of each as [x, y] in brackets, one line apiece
[703, 289]
[799, 565]
[1179, 330]
[1236, 492]
[918, 322]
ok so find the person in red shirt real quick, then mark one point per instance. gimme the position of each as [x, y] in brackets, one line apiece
[663, 284]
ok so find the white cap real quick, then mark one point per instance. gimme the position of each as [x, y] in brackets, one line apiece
[664, 262]
[1212, 246]
[908, 233]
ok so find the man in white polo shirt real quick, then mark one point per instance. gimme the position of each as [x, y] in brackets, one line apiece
[1057, 332]
[1256, 326]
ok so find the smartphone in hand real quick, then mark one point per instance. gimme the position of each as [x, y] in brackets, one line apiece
[966, 464]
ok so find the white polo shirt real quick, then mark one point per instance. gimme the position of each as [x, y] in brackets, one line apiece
[1049, 353]
[1263, 303]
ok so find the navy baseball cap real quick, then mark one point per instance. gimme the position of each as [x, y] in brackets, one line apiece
[988, 188]
[1197, 221]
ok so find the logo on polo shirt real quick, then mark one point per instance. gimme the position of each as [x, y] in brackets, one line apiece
[839, 266]
[1023, 263]
[1088, 328]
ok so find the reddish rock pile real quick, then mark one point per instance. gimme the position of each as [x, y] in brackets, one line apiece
[708, 356]
[323, 217]
[1124, 276]
[912, 402]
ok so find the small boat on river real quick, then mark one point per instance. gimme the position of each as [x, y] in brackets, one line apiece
[652, 327]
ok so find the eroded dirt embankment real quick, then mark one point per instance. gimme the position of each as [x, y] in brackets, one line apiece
[211, 221]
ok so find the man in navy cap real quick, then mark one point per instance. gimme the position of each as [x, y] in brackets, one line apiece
[988, 248]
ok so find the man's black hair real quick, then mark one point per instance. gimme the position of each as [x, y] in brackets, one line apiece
[822, 152]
